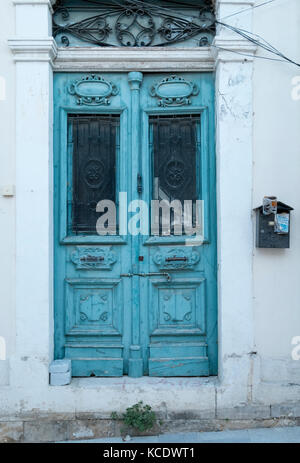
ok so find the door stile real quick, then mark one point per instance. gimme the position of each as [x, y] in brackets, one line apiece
[135, 350]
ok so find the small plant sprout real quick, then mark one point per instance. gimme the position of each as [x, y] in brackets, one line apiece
[139, 417]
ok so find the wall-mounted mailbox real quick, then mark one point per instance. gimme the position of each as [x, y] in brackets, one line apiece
[273, 224]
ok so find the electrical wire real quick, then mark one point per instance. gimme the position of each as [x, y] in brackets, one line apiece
[247, 9]
[243, 53]
[159, 9]
[248, 55]
[247, 35]
[260, 42]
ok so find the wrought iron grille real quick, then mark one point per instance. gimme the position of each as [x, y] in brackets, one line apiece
[93, 145]
[175, 148]
[133, 23]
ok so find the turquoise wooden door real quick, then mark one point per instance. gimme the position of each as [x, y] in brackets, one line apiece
[133, 296]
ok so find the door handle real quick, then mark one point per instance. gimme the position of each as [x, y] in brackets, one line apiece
[165, 274]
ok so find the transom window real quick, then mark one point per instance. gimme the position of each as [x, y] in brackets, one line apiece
[134, 23]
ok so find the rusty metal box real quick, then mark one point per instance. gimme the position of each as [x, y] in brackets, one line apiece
[266, 235]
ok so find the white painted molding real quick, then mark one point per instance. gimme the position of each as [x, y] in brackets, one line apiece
[134, 59]
[33, 2]
[50, 3]
[235, 2]
[228, 9]
[33, 49]
[228, 49]
[234, 44]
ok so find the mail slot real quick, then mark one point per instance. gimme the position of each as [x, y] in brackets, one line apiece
[91, 258]
[273, 224]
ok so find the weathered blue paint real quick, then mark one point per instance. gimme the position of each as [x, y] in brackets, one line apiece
[111, 325]
[135, 359]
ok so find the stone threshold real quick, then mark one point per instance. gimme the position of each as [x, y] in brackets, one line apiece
[144, 381]
[54, 427]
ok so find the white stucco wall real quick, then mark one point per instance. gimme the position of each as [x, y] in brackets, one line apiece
[276, 158]
[276, 274]
[7, 177]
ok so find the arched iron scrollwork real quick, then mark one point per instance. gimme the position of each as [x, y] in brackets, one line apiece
[132, 24]
[94, 30]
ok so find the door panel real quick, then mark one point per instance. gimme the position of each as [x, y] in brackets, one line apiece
[131, 303]
[91, 132]
[178, 125]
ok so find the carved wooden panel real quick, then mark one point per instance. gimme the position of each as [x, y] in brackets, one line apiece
[174, 91]
[93, 258]
[179, 305]
[92, 307]
[176, 258]
[92, 90]
[178, 345]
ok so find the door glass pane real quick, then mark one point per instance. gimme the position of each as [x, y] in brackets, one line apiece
[93, 145]
[175, 147]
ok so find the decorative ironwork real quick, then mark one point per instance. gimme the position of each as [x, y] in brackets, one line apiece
[133, 23]
[175, 173]
[135, 27]
[94, 171]
[95, 140]
[174, 143]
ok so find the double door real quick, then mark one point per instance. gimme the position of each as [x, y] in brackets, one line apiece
[134, 179]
